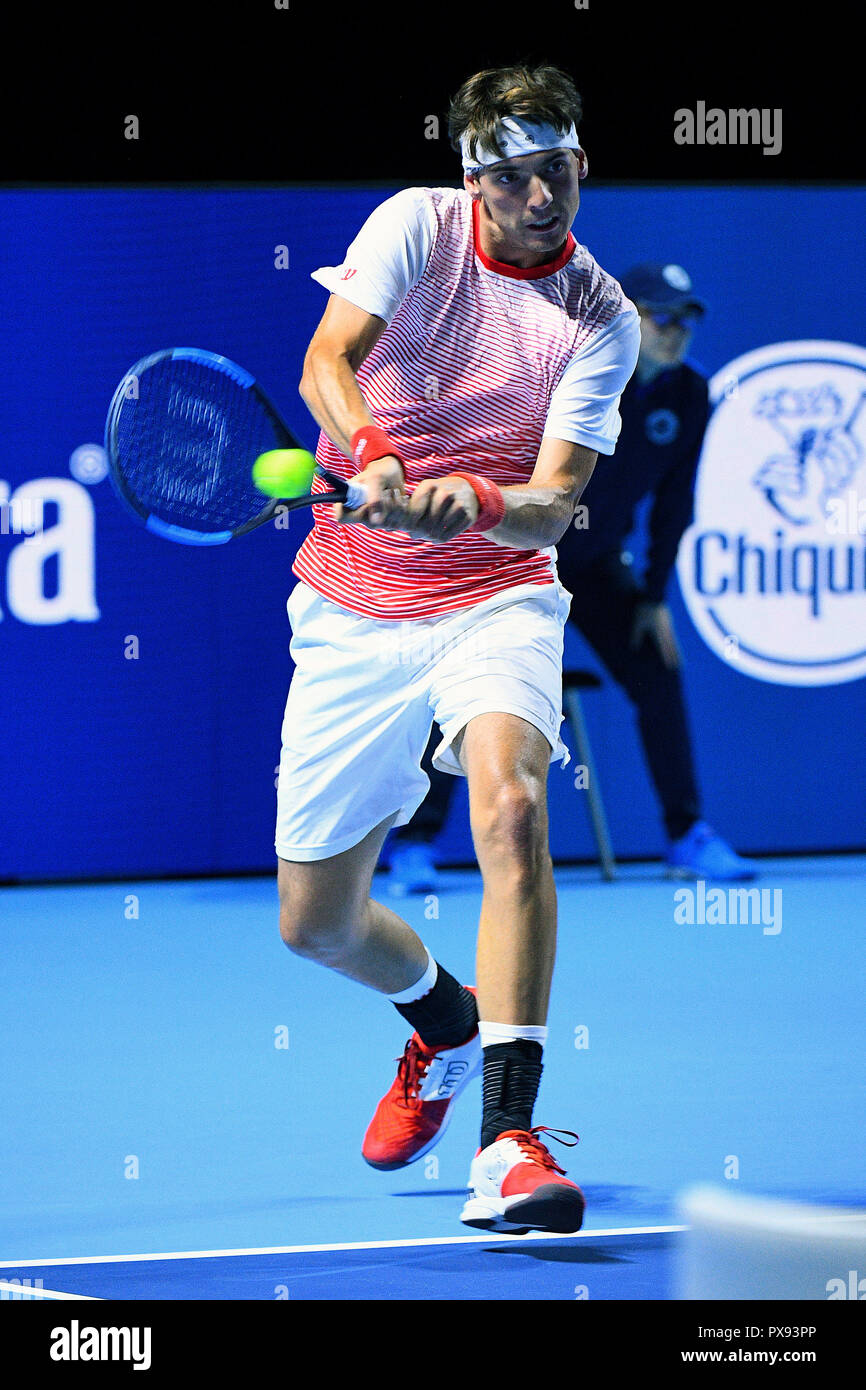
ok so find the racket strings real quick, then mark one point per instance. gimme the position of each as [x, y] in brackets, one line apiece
[186, 441]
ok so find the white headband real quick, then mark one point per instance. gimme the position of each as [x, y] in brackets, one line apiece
[519, 137]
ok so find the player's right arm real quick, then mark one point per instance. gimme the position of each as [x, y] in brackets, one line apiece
[345, 336]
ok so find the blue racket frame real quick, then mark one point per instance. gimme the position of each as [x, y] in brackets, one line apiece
[340, 491]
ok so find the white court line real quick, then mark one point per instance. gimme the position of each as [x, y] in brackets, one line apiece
[491, 1237]
[22, 1292]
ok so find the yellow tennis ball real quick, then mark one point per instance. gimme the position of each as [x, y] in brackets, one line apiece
[284, 472]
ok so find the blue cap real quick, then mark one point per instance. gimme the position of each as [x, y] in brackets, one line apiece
[660, 286]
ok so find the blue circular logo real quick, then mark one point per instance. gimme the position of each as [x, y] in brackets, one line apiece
[662, 426]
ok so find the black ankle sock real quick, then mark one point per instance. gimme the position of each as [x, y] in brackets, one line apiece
[447, 1015]
[512, 1072]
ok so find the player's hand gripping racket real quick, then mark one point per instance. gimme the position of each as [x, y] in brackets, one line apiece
[184, 429]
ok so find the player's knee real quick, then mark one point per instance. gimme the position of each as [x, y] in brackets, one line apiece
[512, 827]
[314, 926]
[312, 935]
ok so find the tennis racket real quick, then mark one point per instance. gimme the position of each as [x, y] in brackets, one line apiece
[184, 429]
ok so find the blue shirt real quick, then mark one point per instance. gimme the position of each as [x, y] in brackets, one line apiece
[663, 424]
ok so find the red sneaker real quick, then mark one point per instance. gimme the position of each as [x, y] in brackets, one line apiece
[414, 1114]
[518, 1186]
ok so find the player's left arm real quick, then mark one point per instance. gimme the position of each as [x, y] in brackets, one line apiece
[538, 513]
[585, 402]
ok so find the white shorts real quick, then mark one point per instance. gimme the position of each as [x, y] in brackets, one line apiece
[365, 693]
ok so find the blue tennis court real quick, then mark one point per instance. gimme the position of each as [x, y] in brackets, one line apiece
[185, 1099]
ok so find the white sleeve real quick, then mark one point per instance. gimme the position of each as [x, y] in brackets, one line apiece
[387, 257]
[584, 407]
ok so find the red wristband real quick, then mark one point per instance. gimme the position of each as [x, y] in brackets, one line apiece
[370, 443]
[490, 500]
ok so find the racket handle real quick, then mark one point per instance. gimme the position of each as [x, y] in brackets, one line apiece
[356, 495]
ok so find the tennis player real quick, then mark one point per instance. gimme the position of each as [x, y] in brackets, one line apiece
[467, 370]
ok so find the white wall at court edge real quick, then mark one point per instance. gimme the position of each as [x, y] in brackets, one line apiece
[747, 1247]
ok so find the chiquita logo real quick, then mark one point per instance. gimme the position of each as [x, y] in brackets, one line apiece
[773, 569]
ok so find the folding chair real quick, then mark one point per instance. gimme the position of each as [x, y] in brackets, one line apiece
[572, 684]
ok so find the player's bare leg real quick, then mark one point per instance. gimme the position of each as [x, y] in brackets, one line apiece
[516, 1184]
[506, 760]
[327, 915]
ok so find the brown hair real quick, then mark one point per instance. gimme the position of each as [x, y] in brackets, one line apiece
[541, 93]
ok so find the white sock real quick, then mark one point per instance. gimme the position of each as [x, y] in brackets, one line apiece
[420, 987]
[510, 1032]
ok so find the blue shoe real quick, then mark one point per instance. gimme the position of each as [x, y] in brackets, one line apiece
[701, 853]
[412, 869]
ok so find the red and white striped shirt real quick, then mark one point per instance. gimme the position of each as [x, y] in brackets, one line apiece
[479, 361]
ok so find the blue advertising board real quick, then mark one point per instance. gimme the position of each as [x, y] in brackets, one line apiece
[143, 683]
